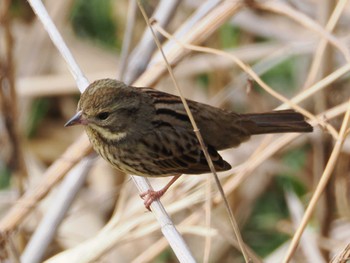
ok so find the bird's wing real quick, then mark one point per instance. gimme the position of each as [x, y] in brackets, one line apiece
[219, 128]
[177, 151]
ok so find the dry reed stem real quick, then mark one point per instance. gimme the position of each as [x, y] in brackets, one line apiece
[201, 31]
[208, 214]
[57, 39]
[35, 43]
[80, 148]
[128, 34]
[17, 213]
[60, 84]
[187, 226]
[309, 241]
[335, 77]
[82, 86]
[252, 163]
[52, 219]
[343, 256]
[284, 9]
[152, 251]
[316, 63]
[105, 240]
[254, 76]
[321, 143]
[319, 87]
[205, 151]
[167, 227]
[138, 226]
[330, 114]
[146, 47]
[327, 173]
[114, 233]
[9, 102]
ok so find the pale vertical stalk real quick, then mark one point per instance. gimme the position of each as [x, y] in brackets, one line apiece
[127, 38]
[342, 256]
[309, 240]
[139, 58]
[284, 9]
[41, 12]
[52, 219]
[208, 212]
[200, 140]
[9, 110]
[327, 173]
[201, 30]
[255, 77]
[316, 62]
[257, 159]
[52, 176]
[168, 228]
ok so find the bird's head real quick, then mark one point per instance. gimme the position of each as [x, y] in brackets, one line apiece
[110, 108]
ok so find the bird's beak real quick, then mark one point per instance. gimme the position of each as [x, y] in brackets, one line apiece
[76, 119]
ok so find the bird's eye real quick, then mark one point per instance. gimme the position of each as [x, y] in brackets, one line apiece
[103, 115]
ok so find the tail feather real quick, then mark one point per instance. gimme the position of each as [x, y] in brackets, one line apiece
[277, 122]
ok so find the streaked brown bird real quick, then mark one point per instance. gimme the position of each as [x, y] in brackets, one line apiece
[147, 132]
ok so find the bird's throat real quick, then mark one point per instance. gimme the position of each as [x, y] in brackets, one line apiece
[105, 134]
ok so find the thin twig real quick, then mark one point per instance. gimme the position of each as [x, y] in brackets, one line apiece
[200, 31]
[8, 102]
[327, 173]
[255, 76]
[57, 39]
[45, 232]
[167, 226]
[200, 139]
[130, 23]
[140, 57]
[332, 22]
[309, 240]
[343, 256]
[284, 9]
[252, 163]
[54, 174]
[57, 170]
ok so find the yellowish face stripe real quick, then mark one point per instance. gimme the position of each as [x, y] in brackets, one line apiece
[107, 134]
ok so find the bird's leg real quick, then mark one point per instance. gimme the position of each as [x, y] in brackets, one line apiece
[151, 195]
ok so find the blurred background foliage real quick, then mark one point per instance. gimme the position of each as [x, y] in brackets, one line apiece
[94, 20]
[95, 34]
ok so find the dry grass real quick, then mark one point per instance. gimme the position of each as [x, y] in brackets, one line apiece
[107, 219]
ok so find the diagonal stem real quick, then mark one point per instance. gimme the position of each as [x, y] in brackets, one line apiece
[201, 141]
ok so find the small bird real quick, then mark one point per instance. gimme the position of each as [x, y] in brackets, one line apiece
[147, 132]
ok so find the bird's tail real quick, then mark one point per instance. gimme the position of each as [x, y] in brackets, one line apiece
[277, 122]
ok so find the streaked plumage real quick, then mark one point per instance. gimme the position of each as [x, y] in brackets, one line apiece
[146, 132]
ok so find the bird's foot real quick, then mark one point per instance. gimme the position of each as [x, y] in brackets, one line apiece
[150, 195]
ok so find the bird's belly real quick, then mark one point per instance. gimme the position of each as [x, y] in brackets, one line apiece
[119, 157]
[129, 156]
[129, 160]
